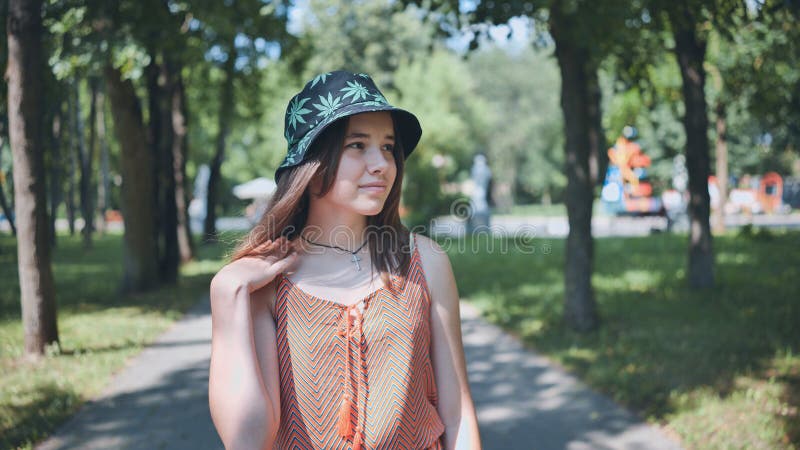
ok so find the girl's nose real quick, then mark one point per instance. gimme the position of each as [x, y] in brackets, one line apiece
[377, 161]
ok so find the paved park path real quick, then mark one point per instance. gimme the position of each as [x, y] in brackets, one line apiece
[159, 401]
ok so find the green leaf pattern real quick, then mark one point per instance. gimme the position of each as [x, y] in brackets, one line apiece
[327, 106]
[356, 90]
[321, 77]
[380, 99]
[296, 112]
[301, 146]
[289, 137]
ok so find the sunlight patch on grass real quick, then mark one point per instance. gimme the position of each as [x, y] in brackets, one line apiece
[742, 419]
[635, 280]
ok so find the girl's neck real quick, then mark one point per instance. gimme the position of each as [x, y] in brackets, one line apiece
[335, 226]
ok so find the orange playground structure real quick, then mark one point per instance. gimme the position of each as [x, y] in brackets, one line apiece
[626, 189]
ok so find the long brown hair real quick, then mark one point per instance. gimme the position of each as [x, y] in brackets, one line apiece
[287, 212]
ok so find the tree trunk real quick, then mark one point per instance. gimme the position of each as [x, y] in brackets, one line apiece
[154, 142]
[25, 85]
[161, 137]
[225, 112]
[169, 257]
[103, 179]
[722, 165]
[141, 257]
[580, 106]
[690, 52]
[74, 113]
[56, 168]
[180, 150]
[87, 157]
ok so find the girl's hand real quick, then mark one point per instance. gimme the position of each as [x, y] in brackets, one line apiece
[255, 272]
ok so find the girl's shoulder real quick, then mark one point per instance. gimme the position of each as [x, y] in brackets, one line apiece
[264, 299]
[426, 244]
[438, 274]
[433, 257]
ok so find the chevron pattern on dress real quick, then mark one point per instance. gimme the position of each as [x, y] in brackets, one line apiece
[391, 374]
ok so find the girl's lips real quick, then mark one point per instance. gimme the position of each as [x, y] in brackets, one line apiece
[373, 189]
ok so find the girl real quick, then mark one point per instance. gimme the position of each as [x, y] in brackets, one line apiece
[333, 326]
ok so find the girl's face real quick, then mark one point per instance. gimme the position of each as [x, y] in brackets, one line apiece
[367, 167]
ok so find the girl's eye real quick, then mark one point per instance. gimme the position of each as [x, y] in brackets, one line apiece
[357, 145]
[362, 146]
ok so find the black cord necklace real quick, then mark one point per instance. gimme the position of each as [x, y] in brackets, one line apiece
[355, 259]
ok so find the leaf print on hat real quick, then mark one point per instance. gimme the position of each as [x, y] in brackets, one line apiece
[296, 112]
[301, 146]
[356, 90]
[374, 104]
[320, 77]
[328, 106]
[289, 137]
[380, 99]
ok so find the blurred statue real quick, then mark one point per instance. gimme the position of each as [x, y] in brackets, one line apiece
[197, 206]
[481, 174]
[680, 175]
[676, 199]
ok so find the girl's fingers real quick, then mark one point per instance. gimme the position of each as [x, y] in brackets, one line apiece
[283, 264]
[262, 248]
[280, 245]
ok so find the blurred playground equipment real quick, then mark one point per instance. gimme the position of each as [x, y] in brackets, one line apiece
[626, 190]
[765, 194]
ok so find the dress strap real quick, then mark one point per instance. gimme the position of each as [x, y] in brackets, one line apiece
[411, 241]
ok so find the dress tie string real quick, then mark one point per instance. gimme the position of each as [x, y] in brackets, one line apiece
[346, 330]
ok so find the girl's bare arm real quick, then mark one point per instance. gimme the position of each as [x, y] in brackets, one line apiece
[455, 400]
[243, 378]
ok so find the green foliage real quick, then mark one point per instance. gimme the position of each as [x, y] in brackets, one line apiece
[523, 138]
[375, 36]
[754, 73]
[440, 91]
[721, 368]
[258, 148]
[653, 105]
[642, 88]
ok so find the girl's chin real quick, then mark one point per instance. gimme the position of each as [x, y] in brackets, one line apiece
[370, 208]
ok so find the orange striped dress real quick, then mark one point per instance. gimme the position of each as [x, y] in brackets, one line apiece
[357, 377]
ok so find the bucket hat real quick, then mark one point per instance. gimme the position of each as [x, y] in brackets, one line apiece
[331, 96]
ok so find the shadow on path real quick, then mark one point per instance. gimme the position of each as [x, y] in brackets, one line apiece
[159, 401]
[525, 403]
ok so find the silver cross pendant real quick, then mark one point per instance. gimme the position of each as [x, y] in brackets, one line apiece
[356, 259]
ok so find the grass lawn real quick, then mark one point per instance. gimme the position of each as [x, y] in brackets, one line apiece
[553, 210]
[99, 330]
[719, 368]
